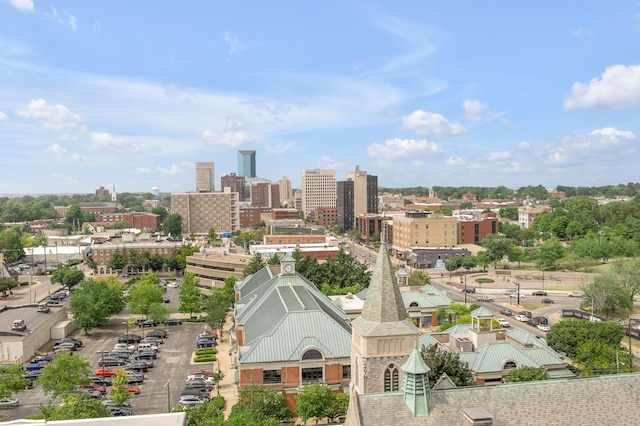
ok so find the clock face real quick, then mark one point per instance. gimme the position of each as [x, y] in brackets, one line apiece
[288, 268]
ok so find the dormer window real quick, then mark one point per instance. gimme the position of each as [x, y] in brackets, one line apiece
[509, 365]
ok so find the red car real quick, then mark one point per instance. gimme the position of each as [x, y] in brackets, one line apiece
[204, 373]
[133, 389]
[99, 388]
[105, 372]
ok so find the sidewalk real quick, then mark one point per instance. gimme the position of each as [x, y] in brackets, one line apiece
[227, 386]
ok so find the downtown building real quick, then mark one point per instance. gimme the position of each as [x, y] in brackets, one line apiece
[203, 211]
[357, 195]
[204, 177]
[247, 163]
[318, 190]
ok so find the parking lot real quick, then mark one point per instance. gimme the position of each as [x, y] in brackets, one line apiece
[162, 384]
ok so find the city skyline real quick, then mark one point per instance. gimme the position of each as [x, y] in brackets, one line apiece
[418, 94]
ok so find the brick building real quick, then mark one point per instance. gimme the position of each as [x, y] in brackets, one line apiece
[235, 184]
[289, 334]
[250, 216]
[137, 220]
[473, 231]
[265, 194]
[294, 239]
[101, 251]
[280, 214]
[203, 211]
[324, 216]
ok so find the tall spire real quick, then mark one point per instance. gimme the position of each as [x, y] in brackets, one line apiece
[383, 302]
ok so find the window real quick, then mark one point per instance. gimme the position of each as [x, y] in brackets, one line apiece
[509, 365]
[271, 376]
[312, 375]
[311, 355]
[391, 378]
[346, 372]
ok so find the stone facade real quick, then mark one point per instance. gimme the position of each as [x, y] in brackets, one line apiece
[203, 211]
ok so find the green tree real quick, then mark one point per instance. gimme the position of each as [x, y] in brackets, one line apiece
[319, 401]
[40, 240]
[206, 414]
[172, 225]
[64, 375]
[190, 295]
[159, 312]
[255, 264]
[510, 212]
[119, 391]
[265, 404]
[6, 284]
[598, 357]
[229, 289]
[550, 252]
[567, 335]
[442, 360]
[11, 380]
[80, 406]
[68, 277]
[11, 244]
[496, 246]
[419, 278]
[217, 309]
[525, 374]
[160, 211]
[145, 293]
[94, 301]
[118, 260]
[606, 295]
[212, 234]
[217, 376]
[274, 259]
[156, 262]
[628, 275]
[75, 216]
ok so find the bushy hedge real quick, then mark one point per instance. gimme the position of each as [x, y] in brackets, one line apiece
[484, 280]
[218, 402]
[206, 351]
[205, 358]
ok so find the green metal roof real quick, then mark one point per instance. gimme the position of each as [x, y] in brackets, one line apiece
[481, 313]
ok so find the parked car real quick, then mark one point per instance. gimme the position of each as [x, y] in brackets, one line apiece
[133, 389]
[539, 293]
[148, 323]
[509, 291]
[146, 355]
[105, 372]
[190, 400]
[165, 299]
[76, 342]
[9, 402]
[129, 338]
[137, 366]
[53, 303]
[156, 333]
[574, 294]
[173, 321]
[155, 340]
[117, 410]
[172, 284]
[36, 365]
[484, 299]
[506, 311]
[202, 393]
[469, 289]
[526, 314]
[206, 343]
[202, 377]
[65, 345]
[533, 322]
[503, 322]
[522, 295]
[111, 362]
[33, 374]
[546, 300]
[542, 320]
[522, 318]
[543, 327]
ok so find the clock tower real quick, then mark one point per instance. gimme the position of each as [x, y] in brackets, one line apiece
[288, 265]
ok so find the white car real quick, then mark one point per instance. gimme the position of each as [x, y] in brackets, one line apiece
[543, 327]
[503, 322]
[9, 402]
[190, 400]
[509, 292]
[172, 284]
[199, 377]
[522, 318]
[575, 294]
[516, 295]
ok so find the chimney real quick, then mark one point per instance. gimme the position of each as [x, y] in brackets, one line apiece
[476, 416]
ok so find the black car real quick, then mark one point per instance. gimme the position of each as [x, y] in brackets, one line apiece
[129, 338]
[76, 342]
[533, 322]
[526, 314]
[146, 355]
[506, 311]
[546, 300]
[172, 321]
[469, 289]
[117, 410]
[541, 320]
[156, 333]
[201, 392]
[148, 323]
[539, 293]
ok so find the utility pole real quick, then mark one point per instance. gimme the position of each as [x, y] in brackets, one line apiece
[168, 386]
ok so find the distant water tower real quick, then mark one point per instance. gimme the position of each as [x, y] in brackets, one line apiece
[155, 191]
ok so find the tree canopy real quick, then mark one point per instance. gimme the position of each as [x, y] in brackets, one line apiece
[319, 401]
[64, 375]
[190, 294]
[66, 276]
[94, 301]
[442, 360]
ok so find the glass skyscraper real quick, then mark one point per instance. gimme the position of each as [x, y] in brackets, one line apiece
[247, 164]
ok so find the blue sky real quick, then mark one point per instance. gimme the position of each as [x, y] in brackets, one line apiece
[416, 92]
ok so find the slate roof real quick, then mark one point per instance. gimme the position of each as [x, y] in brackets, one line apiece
[605, 400]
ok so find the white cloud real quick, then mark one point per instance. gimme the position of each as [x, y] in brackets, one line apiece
[474, 110]
[3, 116]
[175, 169]
[612, 135]
[234, 44]
[508, 123]
[103, 140]
[499, 156]
[22, 5]
[233, 136]
[143, 170]
[61, 154]
[431, 124]
[455, 161]
[404, 148]
[330, 163]
[54, 117]
[63, 19]
[618, 87]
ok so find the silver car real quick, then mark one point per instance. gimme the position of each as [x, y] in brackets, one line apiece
[9, 402]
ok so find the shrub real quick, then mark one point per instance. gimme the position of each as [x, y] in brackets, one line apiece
[206, 351]
[484, 280]
[205, 358]
[218, 402]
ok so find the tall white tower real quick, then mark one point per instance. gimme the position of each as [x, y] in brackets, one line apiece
[318, 189]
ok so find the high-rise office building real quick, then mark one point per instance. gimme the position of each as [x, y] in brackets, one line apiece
[265, 194]
[204, 177]
[357, 195]
[247, 164]
[286, 196]
[318, 189]
[235, 184]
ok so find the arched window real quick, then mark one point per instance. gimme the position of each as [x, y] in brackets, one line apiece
[509, 365]
[391, 380]
[414, 305]
[311, 354]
